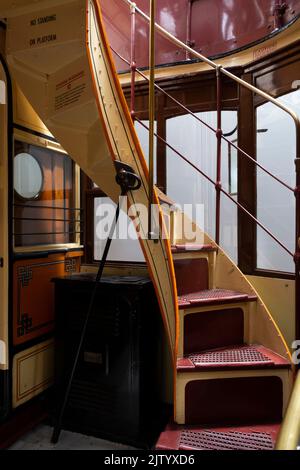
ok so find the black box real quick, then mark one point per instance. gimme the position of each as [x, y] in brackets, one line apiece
[115, 392]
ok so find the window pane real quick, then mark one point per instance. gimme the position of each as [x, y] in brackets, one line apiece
[28, 176]
[43, 197]
[186, 186]
[143, 135]
[276, 151]
[125, 245]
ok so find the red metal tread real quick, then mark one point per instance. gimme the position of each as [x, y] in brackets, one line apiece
[212, 297]
[235, 357]
[193, 248]
[256, 437]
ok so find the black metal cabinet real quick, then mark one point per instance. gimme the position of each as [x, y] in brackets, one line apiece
[115, 389]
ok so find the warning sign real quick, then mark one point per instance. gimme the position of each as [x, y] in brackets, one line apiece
[69, 91]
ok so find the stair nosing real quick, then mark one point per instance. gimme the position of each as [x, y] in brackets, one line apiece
[240, 297]
[190, 366]
[181, 249]
[170, 438]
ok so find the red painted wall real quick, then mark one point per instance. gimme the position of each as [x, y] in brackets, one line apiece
[217, 26]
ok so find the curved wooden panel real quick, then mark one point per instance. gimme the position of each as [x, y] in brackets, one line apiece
[68, 76]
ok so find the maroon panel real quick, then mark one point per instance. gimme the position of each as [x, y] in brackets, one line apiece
[191, 275]
[212, 330]
[171, 437]
[193, 248]
[235, 401]
[218, 27]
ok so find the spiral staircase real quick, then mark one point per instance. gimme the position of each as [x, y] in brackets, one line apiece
[232, 368]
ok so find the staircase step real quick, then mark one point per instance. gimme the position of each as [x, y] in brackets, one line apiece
[191, 276]
[241, 357]
[191, 438]
[212, 297]
[193, 248]
[231, 397]
[221, 327]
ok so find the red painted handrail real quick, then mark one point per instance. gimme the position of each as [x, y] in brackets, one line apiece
[240, 206]
[191, 113]
[219, 134]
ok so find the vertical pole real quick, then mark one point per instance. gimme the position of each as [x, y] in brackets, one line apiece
[188, 27]
[58, 424]
[219, 153]
[297, 251]
[151, 112]
[132, 59]
[279, 13]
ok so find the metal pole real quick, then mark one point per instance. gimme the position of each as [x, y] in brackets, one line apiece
[128, 181]
[212, 64]
[219, 154]
[188, 27]
[58, 425]
[151, 113]
[133, 62]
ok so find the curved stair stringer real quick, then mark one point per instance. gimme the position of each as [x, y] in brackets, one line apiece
[234, 373]
[70, 80]
[262, 328]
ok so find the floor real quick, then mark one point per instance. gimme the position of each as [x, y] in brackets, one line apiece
[39, 439]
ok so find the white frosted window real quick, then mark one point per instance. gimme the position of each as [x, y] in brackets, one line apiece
[123, 248]
[276, 150]
[143, 135]
[186, 186]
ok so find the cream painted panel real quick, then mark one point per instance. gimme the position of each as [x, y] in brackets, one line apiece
[279, 297]
[55, 77]
[33, 372]
[24, 114]
[13, 7]
[262, 327]
[70, 81]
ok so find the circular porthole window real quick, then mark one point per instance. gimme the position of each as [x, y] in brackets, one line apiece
[28, 176]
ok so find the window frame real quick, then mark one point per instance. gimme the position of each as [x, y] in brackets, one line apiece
[275, 75]
[29, 137]
[198, 93]
[187, 90]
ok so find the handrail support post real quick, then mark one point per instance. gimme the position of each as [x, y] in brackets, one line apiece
[151, 235]
[132, 59]
[219, 134]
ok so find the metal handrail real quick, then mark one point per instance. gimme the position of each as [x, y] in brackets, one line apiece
[289, 436]
[151, 235]
[220, 70]
[191, 113]
[216, 66]
[240, 206]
